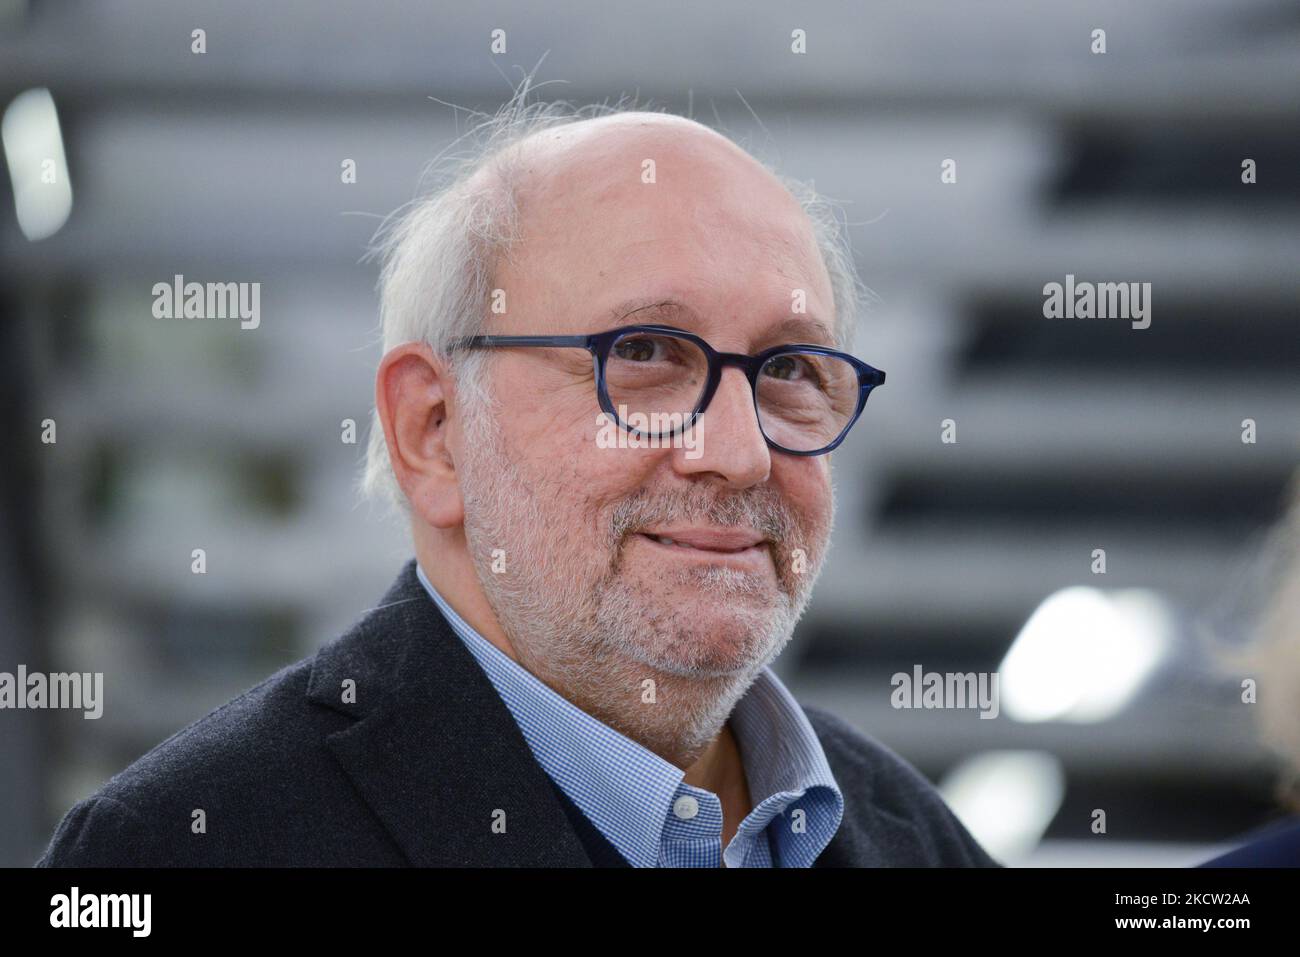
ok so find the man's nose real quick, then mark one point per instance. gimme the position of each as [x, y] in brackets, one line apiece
[727, 439]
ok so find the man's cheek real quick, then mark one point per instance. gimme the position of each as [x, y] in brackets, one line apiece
[572, 418]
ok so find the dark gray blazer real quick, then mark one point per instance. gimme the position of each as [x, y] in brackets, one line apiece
[291, 774]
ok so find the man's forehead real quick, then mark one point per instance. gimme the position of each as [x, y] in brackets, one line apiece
[618, 159]
[712, 240]
[549, 150]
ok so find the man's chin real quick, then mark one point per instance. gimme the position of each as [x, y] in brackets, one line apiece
[701, 624]
[712, 646]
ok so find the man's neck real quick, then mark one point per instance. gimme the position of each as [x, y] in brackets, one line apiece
[453, 576]
[721, 770]
[717, 764]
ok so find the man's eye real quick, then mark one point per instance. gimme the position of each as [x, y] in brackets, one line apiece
[786, 367]
[639, 349]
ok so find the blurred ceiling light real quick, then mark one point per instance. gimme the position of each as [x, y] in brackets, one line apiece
[1006, 799]
[1084, 654]
[37, 167]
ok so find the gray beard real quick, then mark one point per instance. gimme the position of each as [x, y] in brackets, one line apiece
[581, 626]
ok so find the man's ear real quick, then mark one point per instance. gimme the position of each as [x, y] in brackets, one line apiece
[411, 393]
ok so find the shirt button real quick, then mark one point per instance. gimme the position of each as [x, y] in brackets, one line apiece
[686, 807]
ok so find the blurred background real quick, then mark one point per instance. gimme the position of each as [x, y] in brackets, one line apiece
[970, 556]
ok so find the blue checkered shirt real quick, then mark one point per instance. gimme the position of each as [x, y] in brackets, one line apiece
[640, 802]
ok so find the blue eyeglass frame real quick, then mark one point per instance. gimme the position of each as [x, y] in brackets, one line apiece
[599, 345]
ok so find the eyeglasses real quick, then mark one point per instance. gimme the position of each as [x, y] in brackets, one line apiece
[806, 397]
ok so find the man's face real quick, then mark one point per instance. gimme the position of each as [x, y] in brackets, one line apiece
[581, 527]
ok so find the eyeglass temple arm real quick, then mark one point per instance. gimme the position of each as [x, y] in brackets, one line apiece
[489, 342]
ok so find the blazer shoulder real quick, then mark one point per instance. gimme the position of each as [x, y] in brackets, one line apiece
[256, 781]
[878, 783]
[261, 742]
[98, 831]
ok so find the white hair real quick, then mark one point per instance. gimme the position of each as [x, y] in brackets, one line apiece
[440, 251]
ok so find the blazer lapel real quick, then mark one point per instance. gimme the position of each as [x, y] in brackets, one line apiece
[434, 751]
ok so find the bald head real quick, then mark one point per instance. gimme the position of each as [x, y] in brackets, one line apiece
[549, 159]
[647, 205]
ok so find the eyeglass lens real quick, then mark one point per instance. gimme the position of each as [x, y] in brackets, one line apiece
[804, 400]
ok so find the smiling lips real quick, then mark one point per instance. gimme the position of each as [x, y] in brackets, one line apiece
[722, 541]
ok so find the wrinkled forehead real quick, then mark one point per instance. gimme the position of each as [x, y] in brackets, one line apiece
[658, 209]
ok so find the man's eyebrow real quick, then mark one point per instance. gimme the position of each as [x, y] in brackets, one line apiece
[792, 329]
[650, 310]
[802, 330]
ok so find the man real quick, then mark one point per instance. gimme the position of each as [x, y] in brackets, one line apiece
[574, 670]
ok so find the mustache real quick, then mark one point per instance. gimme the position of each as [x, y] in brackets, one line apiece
[760, 508]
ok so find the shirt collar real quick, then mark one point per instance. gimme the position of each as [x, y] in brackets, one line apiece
[627, 791]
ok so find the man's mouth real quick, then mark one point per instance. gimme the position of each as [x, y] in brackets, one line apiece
[708, 541]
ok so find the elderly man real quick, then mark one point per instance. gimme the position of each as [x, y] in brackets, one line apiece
[574, 669]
